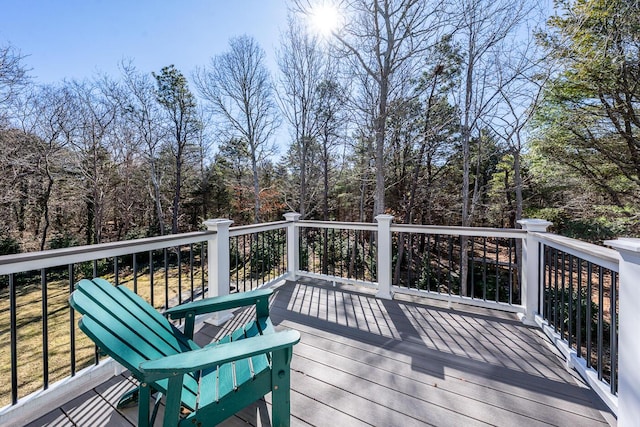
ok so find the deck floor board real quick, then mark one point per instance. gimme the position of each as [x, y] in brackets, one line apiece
[363, 361]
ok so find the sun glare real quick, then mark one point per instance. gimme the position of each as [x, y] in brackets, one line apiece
[324, 19]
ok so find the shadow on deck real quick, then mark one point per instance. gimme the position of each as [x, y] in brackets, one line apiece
[410, 361]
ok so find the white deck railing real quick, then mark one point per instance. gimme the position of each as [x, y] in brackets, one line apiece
[497, 268]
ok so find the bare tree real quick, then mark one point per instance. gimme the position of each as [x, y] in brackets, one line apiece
[526, 73]
[301, 63]
[331, 117]
[483, 26]
[13, 77]
[51, 120]
[95, 114]
[384, 37]
[238, 88]
[141, 109]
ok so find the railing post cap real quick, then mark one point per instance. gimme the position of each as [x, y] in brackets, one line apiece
[216, 223]
[534, 224]
[292, 216]
[384, 217]
[627, 244]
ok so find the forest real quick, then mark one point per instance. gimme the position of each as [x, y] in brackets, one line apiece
[461, 112]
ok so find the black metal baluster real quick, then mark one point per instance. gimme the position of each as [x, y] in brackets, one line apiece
[439, 263]
[72, 324]
[166, 277]
[45, 330]
[464, 257]
[202, 258]
[116, 270]
[14, 338]
[484, 268]
[428, 262]
[579, 311]
[179, 261]
[546, 285]
[563, 314]
[135, 274]
[151, 277]
[333, 252]
[348, 257]
[541, 279]
[550, 283]
[510, 290]
[497, 269]
[570, 330]
[283, 246]
[450, 263]
[589, 314]
[600, 320]
[473, 264]
[410, 259]
[191, 274]
[237, 266]
[251, 255]
[260, 244]
[555, 291]
[613, 330]
[340, 257]
[372, 262]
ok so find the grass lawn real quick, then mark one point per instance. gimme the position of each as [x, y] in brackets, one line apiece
[30, 326]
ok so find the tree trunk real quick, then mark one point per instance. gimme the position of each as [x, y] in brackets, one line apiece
[303, 176]
[256, 189]
[381, 123]
[157, 198]
[45, 207]
[176, 195]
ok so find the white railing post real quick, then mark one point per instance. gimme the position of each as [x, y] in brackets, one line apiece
[218, 263]
[530, 275]
[384, 256]
[293, 245]
[628, 337]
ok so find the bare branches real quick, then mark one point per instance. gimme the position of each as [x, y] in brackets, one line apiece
[238, 89]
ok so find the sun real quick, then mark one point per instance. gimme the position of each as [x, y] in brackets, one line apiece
[324, 19]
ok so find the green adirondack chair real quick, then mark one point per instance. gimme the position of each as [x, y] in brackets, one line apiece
[203, 386]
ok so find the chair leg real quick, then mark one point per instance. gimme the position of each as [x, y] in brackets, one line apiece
[128, 399]
[281, 393]
[143, 405]
[172, 404]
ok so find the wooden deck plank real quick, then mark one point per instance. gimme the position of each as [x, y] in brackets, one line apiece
[505, 355]
[422, 359]
[363, 361]
[91, 409]
[478, 343]
[491, 406]
[55, 418]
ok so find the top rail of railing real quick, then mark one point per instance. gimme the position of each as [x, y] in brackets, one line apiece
[600, 255]
[19, 263]
[257, 228]
[367, 226]
[414, 228]
[460, 231]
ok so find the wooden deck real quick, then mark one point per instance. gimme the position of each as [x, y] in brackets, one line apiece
[407, 362]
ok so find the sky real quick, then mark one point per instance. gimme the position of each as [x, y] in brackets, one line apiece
[76, 39]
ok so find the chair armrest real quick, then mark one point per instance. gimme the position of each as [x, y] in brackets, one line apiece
[213, 304]
[196, 360]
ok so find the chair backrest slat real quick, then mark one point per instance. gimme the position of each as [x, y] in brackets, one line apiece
[132, 312]
[127, 327]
